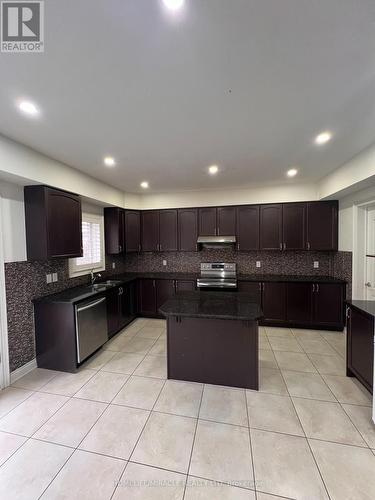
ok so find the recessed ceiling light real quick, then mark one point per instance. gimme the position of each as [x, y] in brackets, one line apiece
[323, 138]
[173, 4]
[28, 108]
[144, 185]
[292, 172]
[109, 161]
[213, 169]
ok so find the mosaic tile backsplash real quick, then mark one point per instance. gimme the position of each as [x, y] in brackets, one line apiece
[27, 280]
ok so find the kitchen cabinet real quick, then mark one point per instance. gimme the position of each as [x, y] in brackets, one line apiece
[248, 227]
[294, 226]
[226, 221]
[271, 219]
[164, 290]
[120, 307]
[168, 235]
[254, 288]
[132, 231]
[360, 346]
[146, 297]
[114, 230]
[150, 230]
[207, 221]
[322, 225]
[217, 221]
[53, 223]
[299, 303]
[274, 302]
[185, 286]
[328, 304]
[187, 229]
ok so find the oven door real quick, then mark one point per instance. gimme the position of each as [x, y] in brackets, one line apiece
[216, 284]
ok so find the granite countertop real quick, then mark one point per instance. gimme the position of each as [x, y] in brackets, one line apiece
[214, 305]
[289, 277]
[367, 306]
[80, 293]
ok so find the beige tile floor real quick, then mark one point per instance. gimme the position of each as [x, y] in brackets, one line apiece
[119, 430]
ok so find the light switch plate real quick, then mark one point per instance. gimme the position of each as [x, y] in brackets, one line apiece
[49, 278]
[54, 277]
[164, 262]
[258, 264]
[316, 264]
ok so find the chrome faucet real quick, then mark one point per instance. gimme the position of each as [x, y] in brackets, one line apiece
[94, 277]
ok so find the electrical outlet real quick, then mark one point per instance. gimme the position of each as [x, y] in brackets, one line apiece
[316, 264]
[258, 264]
[113, 265]
[49, 278]
[54, 277]
[164, 262]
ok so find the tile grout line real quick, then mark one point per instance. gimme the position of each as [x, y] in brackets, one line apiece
[251, 445]
[193, 443]
[139, 437]
[307, 441]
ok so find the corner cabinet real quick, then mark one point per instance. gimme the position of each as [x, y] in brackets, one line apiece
[53, 223]
[114, 230]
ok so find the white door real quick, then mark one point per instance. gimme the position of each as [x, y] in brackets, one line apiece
[370, 255]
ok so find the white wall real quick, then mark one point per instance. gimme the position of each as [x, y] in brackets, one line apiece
[13, 222]
[24, 163]
[359, 170]
[270, 194]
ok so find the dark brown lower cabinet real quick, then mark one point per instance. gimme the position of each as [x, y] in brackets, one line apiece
[164, 290]
[185, 286]
[274, 302]
[120, 308]
[299, 303]
[328, 305]
[360, 347]
[147, 297]
[252, 287]
[213, 351]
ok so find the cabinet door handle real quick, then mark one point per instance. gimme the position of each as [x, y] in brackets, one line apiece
[139, 247]
[281, 246]
[260, 287]
[308, 245]
[317, 288]
[153, 283]
[159, 247]
[284, 246]
[313, 288]
[120, 248]
[238, 246]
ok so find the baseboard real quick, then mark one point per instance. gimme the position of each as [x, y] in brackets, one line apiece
[23, 370]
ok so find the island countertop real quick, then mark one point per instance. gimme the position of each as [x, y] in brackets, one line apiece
[214, 305]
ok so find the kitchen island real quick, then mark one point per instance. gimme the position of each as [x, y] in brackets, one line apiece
[213, 338]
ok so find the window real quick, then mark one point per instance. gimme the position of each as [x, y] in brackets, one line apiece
[93, 247]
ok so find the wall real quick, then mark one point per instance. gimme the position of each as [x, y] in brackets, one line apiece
[13, 222]
[270, 194]
[27, 166]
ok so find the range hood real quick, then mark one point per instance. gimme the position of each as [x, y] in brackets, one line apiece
[216, 241]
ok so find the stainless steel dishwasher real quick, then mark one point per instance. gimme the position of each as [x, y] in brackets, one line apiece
[91, 327]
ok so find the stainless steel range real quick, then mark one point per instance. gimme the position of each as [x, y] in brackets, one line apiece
[218, 275]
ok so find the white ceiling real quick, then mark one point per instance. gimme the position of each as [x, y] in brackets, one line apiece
[245, 84]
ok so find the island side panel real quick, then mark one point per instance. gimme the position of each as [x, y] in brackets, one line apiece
[213, 351]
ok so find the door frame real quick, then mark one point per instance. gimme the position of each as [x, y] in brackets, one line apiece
[4, 352]
[360, 227]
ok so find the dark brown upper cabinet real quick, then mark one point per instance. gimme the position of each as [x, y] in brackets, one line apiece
[294, 226]
[168, 237]
[322, 231]
[271, 227]
[132, 231]
[207, 221]
[187, 229]
[114, 230]
[150, 230]
[248, 227]
[53, 223]
[226, 221]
